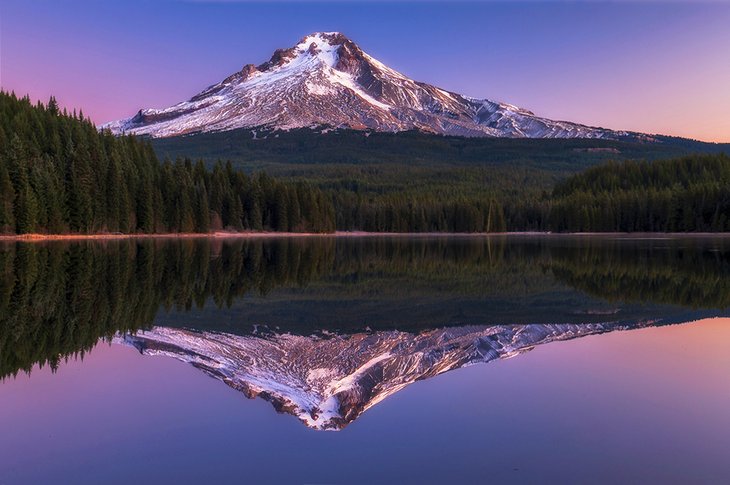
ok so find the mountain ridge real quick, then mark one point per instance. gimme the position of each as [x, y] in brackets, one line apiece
[326, 80]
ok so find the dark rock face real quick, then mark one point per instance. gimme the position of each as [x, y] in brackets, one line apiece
[150, 116]
[247, 71]
[335, 38]
[349, 58]
[279, 58]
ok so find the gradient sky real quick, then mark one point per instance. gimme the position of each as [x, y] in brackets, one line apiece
[646, 66]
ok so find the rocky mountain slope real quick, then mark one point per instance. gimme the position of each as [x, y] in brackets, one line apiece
[326, 81]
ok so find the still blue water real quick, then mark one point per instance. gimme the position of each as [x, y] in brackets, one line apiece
[528, 395]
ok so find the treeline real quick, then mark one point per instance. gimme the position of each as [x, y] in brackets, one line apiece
[284, 151]
[689, 194]
[59, 174]
[412, 182]
[401, 213]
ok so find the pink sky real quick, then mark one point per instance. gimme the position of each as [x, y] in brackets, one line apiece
[649, 67]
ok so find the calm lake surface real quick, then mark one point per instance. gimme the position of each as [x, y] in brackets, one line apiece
[511, 359]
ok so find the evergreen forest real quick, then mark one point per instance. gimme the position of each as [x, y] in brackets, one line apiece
[60, 175]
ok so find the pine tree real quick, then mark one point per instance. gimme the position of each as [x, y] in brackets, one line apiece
[7, 200]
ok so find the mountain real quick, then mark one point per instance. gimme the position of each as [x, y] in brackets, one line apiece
[326, 81]
[328, 380]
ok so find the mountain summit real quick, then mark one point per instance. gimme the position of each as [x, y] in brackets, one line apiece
[327, 80]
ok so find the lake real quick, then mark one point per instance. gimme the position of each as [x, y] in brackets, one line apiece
[431, 359]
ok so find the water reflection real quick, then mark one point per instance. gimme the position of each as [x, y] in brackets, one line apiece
[453, 297]
[690, 272]
[328, 380]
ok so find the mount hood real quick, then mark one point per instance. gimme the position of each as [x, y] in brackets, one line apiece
[326, 81]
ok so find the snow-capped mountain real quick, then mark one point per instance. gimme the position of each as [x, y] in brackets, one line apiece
[328, 380]
[326, 80]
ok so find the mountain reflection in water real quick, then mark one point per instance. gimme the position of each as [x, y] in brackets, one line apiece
[390, 295]
[328, 380]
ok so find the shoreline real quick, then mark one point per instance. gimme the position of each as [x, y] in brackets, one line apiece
[350, 234]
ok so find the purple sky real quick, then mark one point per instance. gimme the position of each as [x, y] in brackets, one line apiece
[652, 67]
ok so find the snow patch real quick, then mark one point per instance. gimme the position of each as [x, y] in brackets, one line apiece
[346, 80]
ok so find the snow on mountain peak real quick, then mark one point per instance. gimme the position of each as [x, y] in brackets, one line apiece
[329, 38]
[327, 80]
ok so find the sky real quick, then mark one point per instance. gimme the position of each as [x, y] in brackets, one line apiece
[654, 67]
